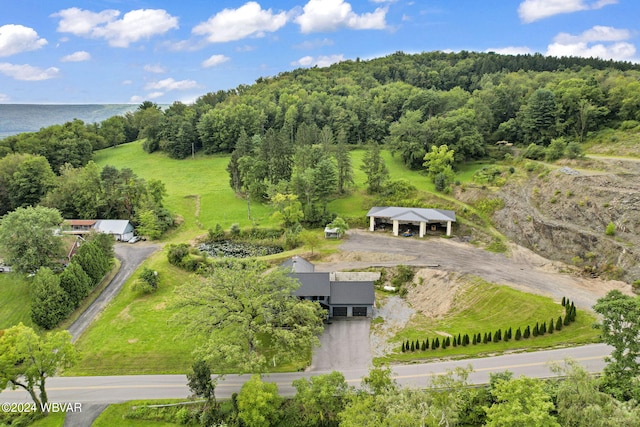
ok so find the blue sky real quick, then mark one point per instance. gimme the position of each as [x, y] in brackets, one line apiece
[128, 51]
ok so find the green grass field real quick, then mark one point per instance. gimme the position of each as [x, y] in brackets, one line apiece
[486, 307]
[134, 334]
[14, 300]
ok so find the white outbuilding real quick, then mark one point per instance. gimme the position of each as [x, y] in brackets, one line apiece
[420, 217]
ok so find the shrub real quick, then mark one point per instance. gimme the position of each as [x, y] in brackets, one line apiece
[177, 253]
[611, 229]
[534, 152]
[235, 230]
[147, 281]
[518, 334]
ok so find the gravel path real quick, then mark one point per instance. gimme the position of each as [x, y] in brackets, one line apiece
[522, 269]
[396, 313]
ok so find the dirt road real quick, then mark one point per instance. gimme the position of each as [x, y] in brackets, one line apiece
[521, 268]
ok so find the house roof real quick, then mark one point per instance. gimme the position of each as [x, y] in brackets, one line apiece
[412, 214]
[81, 222]
[312, 284]
[113, 226]
[352, 293]
[298, 264]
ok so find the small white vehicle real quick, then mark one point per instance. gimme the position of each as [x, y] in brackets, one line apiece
[134, 239]
[5, 269]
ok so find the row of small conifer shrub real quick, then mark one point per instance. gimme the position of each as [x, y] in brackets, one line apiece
[497, 336]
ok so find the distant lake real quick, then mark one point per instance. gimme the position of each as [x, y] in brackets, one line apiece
[18, 118]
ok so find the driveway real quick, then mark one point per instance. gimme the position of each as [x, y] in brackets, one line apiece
[344, 346]
[130, 256]
[521, 269]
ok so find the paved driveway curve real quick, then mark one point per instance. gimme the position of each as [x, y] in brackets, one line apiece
[130, 256]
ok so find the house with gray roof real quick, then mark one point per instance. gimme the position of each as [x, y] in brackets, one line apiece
[342, 295]
[420, 217]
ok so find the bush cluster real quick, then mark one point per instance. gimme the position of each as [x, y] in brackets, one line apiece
[55, 296]
[495, 336]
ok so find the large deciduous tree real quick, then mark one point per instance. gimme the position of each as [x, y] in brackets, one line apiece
[620, 329]
[49, 302]
[251, 318]
[27, 360]
[28, 239]
[259, 403]
[520, 402]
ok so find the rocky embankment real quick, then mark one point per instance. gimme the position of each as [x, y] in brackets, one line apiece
[563, 215]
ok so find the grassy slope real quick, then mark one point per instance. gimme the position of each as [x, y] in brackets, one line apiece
[134, 335]
[485, 307]
[14, 300]
[204, 176]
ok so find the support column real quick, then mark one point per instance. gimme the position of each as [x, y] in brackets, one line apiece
[372, 223]
[448, 228]
[423, 228]
[395, 227]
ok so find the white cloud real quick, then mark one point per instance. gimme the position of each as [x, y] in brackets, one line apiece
[4, 98]
[511, 50]
[154, 95]
[331, 15]
[617, 51]
[28, 72]
[599, 41]
[171, 84]
[533, 10]
[236, 24]
[314, 44]
[79, 56]
[598, 33]
[214, 60]
[158, 69]
[136, 99]
[132, 27]
[245, 48]
[320, 61]
[18, 38]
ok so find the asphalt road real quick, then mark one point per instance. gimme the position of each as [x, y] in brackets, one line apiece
[95, 390]
[130, 256]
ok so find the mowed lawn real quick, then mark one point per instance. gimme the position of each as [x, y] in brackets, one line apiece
[202, 181]
[486, 307]
[15, 306]
[135, 334]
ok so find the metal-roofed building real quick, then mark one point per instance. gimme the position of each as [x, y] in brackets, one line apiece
[120, 229]
[341, 294]
[421, 217]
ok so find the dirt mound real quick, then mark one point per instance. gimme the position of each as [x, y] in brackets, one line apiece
[435, 291]
[368, 257]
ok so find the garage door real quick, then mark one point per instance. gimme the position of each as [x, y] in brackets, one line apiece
[360, 311]
[339, 311]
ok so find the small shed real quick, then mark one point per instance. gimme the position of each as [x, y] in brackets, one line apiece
[332, 233]
[414, 216]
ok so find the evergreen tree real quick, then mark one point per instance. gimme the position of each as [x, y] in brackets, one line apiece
[497, 337]
[437, 342]
[417, 344]
[433, 344]
[455, 341]
[479, 338]
[566, 320]
[404, 349]
[459, 340]
[551, 326]
[543, 328]
[527, 332]
[375, 168]
[407, 345]
[424, 345]
[564, 301]
[489, 337]
[485, 339]
[559, 324]
[536, 330]
[518, 334]
[474, 340]
[413, 347]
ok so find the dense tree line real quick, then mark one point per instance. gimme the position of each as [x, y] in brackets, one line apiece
[55, 295]
[83, 192]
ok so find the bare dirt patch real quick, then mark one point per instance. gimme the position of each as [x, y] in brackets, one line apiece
[435, 292]
[395, 313]
[373, 258]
